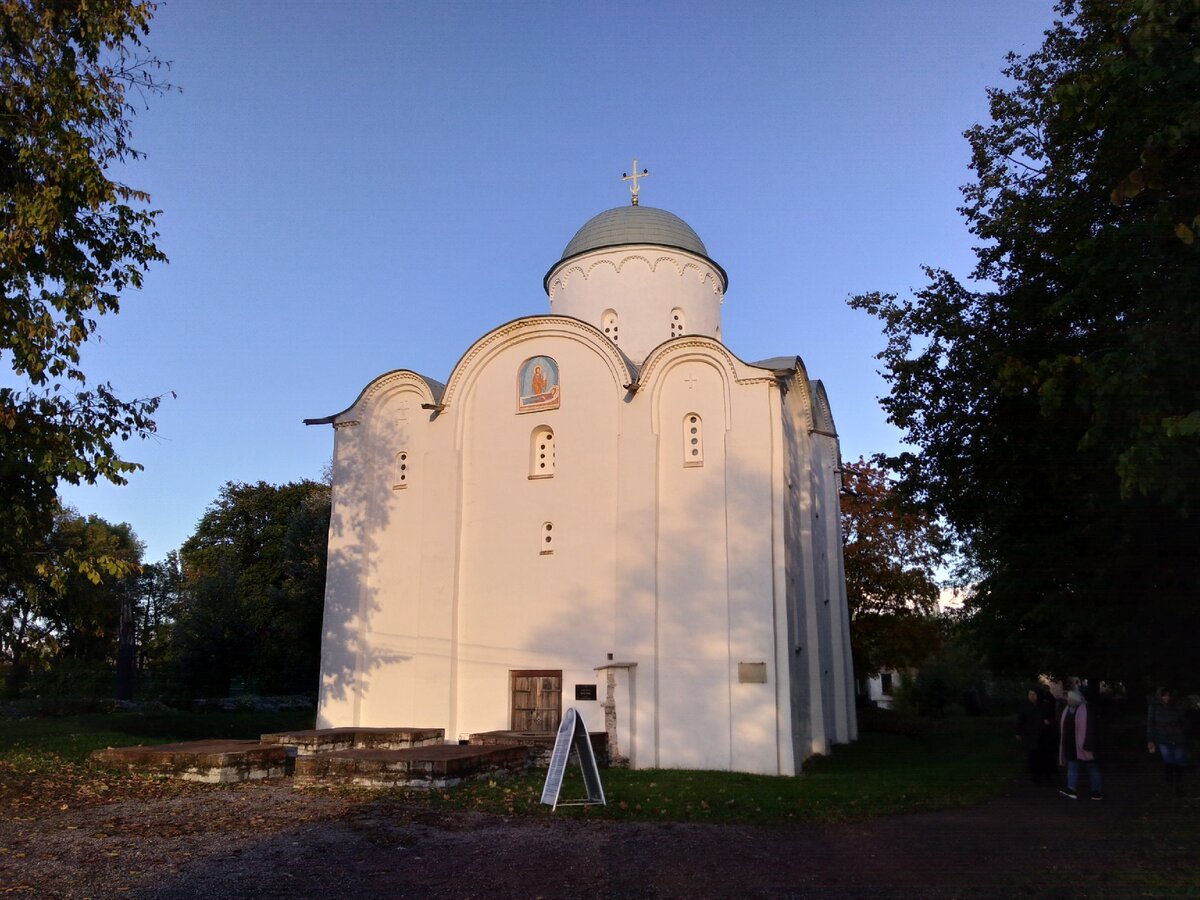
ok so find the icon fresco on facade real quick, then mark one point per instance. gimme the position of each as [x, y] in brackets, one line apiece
[537, 384]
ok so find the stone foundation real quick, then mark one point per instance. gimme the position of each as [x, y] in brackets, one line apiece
[331, 740]
[214, 761]
[368, 757]
[416, 767]
[539, 744]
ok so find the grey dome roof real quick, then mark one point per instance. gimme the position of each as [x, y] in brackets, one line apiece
[635, 225]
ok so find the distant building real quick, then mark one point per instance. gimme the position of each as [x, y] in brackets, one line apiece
[880, 688]
[602, 507]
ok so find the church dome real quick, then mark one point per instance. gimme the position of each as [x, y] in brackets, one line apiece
[627, 225]
[641, 276]
[634, 225]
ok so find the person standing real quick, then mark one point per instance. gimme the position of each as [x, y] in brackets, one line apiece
[1048, 736]
[1030, 723]
[1077, 746]
[1035, 721]
[1166, 726]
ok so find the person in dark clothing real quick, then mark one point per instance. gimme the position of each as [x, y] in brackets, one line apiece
[1166, 727]
[1031, 725]
[1048, 736]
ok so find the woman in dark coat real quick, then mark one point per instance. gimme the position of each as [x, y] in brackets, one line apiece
[1166, 726]
[1048, 736]
[1029, 732]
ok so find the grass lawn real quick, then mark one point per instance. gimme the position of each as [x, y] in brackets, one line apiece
[954, 763]
[40, 744]
[951, 763]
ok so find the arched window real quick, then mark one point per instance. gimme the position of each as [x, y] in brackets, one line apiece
[678, 322]
[541, 452]
[546, 543]
[609, 323]
[693, 440]
[400, 471]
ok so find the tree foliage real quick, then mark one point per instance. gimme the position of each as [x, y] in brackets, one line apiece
[253, 589]
[73, 239]
[891, 556]
[64, 613]
[159, 588]
[1056, 404]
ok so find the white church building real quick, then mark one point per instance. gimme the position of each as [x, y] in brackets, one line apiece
[602, 507]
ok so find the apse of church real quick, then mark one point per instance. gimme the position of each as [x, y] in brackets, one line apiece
[604, 508]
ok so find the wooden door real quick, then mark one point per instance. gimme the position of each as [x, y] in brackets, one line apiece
[536, 699]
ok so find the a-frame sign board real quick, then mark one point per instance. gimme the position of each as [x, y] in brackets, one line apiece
[572, 733]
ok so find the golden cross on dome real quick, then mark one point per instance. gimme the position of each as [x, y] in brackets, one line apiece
[633, 188]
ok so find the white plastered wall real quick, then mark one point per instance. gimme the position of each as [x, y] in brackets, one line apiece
[714, 572]
[518, 606]
[438, 590]
[642, 284]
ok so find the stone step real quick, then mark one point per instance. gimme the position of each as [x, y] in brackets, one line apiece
[307, 742]
[379, 757]
[417, 767]
[211, 761]
[540, 744]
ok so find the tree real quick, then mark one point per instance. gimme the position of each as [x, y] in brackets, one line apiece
[1056, 405]
[159, 589]
[72, 241]
[891, 556]
[254, 589]
[64, 616]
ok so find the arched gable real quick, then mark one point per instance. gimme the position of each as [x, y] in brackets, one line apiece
[822, 413]
[498, 340]
[427, 389]
[794, 374]
[669, 354]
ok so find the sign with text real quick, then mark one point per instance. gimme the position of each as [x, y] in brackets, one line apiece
[572, 734]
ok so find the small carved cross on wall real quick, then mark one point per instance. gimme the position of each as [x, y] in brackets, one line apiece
[404, 407]
[691, 381]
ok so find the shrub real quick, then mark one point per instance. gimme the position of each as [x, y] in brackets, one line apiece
[951, 682]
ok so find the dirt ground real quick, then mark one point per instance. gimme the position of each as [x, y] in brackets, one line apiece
[271, 840]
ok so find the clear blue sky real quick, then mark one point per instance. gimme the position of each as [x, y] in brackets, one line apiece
[353, 187]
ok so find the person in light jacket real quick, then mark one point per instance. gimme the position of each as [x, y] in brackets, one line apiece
[1077, 746]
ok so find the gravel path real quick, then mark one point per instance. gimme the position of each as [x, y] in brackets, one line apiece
[271, 840]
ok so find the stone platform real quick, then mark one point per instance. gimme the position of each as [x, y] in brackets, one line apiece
[309, 742]
[213, 761]
[376, 757]
[539, 744]
[438, 766]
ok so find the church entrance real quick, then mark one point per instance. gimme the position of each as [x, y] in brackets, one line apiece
[536, 699]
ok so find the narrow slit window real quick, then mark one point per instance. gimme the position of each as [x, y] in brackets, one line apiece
[693, 440]
[678, 323]
[402, 471]
[546, 542]
[609, 324]
[541, 452]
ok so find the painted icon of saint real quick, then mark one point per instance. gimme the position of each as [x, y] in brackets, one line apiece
[537, 384]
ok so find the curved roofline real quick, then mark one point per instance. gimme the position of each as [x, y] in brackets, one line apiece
[665, 349]
[566, 259]
[435, 388]
[502, 334]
